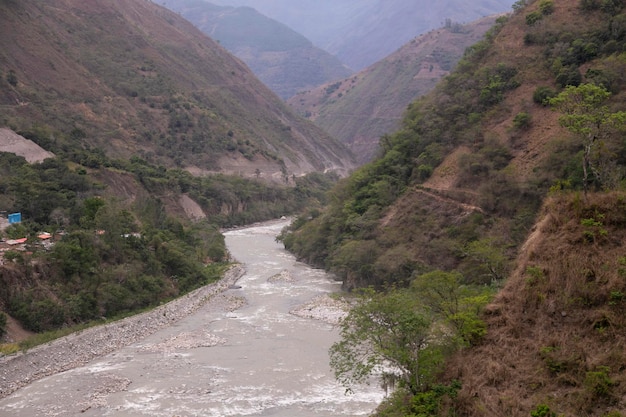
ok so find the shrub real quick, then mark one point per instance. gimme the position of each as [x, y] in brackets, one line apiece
[3, 324]
[589, 4]
[519, 5]
[569, 76]
[533, 17]
[546, 7]
[543, 94]
[598, 382]
[12, 78]
[542, 410]
[522, 120]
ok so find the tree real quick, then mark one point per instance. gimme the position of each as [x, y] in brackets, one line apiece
[387, 331]
[457, 305]
[585, 115]
[490, 258]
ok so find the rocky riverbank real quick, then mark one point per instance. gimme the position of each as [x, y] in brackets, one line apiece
[79, 348]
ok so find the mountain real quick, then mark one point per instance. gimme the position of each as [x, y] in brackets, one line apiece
[119, 124]
[555, 332]
[133, 78]
[284, 60]
[475, 157]
[359, 109]
[362, 32]
[507, 176]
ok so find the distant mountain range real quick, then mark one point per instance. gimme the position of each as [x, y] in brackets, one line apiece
[361, 108]
[133, 78]
[361, 32]
[283, 59]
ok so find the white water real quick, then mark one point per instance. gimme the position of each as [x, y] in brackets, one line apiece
[266, 362]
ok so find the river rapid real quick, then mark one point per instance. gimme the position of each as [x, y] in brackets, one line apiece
[242, 354]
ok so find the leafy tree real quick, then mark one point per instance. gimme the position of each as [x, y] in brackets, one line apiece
[387, 331]
[489, 256]
[586, 115]
[458, 305]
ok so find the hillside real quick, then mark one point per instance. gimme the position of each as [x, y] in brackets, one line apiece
[508, 176]
[476, 156]
[284, 60]
[362, 32]
[556, 331]
[112, 113]
[359, 109]
[133, 78]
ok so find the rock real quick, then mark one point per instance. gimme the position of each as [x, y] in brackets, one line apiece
[282, 276]
[323, 308]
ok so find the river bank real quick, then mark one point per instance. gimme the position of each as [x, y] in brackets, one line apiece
[20, 369]
[257, 345]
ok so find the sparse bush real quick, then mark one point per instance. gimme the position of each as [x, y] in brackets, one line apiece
[542, 410]
[611, 7]
[543, 94]
[588, 5]
[533, 17]
[3, 324]
[12, 78]
[519, 5]
[546, 7]
[521, 121]
[569, 76]
[535, 275]
[594, 228]
[599, 382]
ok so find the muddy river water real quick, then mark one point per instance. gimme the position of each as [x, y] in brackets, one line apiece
[257, 360]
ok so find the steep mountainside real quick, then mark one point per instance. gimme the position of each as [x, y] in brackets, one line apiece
[475, 158]
[556, 331]
[533, 116]
[133, 78]
[359, 109]
[284, 60]
[362, 32]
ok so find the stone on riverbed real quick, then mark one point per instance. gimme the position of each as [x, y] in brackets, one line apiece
[324, 308]
[283, 276]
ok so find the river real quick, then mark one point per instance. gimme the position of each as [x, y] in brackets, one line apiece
[257, 360]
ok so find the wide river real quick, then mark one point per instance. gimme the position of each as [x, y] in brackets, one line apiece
[258, 360]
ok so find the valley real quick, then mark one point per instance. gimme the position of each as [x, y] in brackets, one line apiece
[478, 243]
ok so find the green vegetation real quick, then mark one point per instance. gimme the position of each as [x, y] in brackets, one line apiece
[112, 257]
[542, 410]
[347, 238]
[389, 329]
[147, 96]
[438, 248]
[403, 336]
[586, 115]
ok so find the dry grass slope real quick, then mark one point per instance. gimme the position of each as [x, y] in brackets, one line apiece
[557, 330]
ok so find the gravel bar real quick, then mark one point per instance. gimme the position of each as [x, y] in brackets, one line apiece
[77, 349]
